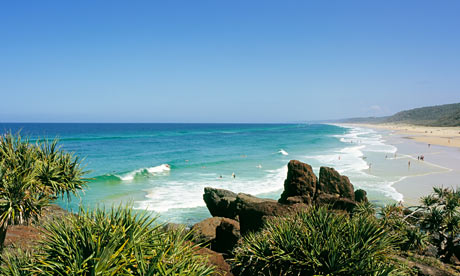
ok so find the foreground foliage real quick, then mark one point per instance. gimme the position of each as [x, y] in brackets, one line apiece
[441, 220]
[317, 242]
[31, 175]
[117, 242]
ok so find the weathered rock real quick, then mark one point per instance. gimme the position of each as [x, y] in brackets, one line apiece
[253, 212]
[216, 259]
[360, 196]
[220, 202]
[336, 202]
[227, 235]
[300, 184]
[331, 182]
[301, 189]
[205, 231]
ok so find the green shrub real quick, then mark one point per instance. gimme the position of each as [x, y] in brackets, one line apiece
[32, 175]
[117, 242]
[441, 220]
[317, 242]
[404, 227]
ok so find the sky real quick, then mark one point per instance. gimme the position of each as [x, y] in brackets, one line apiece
[225, 61]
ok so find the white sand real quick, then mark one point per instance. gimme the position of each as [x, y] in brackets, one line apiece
[446, 157]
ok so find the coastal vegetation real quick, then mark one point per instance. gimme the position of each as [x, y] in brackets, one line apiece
[32, 175]
[108, 242]
[317, 242]
[393, 241]
[447, 115]
[319, 226]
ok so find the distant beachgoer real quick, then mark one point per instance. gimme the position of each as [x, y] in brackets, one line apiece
[259, 166]
[233, 175]
[418, 158]
[339, 157]
[422, 158]
[370, 165]
[220, 176]
[386, 156]
[408, 164]
[429, 145]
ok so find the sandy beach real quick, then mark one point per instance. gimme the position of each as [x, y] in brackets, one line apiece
[443, 136]
[442, 155]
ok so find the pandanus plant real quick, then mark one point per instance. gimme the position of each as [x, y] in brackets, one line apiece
[31, 176]
[442, 220]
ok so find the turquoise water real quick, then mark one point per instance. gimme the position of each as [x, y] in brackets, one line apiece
[163, 168]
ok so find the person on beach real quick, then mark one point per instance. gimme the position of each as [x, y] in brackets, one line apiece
[408, 164]
[418, 157]
[233, 175]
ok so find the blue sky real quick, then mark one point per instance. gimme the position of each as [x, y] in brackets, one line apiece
[225, 61]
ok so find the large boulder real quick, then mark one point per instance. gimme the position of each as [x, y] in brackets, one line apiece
[361, 196]
[300, 184]
[217, 260]
[227, 235]
[220, 202]
[253, 212]
[331, 182]
[205, 231]
[301, 189]
[335, 202]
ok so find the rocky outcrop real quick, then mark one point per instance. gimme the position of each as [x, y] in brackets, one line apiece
[204, 231]
[254, 212]
[227, 235]
[217, 260]
[332, 183]
[335, 202]
[360, 196]
[300, 184]
[219, 202]
[301, 189]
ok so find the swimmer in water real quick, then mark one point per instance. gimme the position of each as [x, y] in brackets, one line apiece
[233, 175]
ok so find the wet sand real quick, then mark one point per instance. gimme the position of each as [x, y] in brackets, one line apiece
[444, 159]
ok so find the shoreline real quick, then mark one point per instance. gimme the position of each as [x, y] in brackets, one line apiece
[412, 141]
[442, 136]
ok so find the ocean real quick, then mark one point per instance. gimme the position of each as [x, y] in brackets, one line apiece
[163, 168]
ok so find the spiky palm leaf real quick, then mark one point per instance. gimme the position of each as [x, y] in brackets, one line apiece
[317, 242]
[31, 175]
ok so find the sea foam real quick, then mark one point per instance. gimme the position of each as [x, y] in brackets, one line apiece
[189, 193]
[129, 176]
